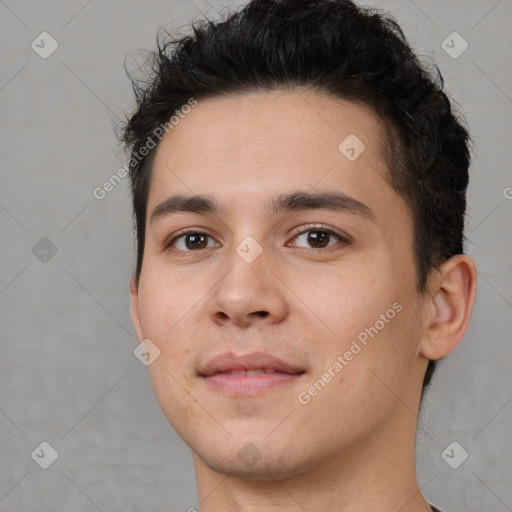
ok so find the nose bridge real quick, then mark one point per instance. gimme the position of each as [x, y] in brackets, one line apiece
[248, 291]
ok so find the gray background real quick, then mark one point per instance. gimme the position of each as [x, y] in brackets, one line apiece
[68, 375]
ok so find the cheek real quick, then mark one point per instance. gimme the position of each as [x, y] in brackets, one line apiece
[166, 315]
[367, 318]
[348, 299]
[164, 302]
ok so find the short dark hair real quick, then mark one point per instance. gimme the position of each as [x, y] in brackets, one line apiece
[330, 46]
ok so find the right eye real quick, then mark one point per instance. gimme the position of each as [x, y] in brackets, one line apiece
[191, 241]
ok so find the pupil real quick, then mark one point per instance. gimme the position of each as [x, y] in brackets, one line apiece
[196, 241]
[318, 238]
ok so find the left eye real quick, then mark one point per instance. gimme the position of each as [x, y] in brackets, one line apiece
[319, 238]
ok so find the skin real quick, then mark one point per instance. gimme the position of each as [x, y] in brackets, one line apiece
[351, 448]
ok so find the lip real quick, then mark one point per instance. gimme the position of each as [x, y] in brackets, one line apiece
[223, 373]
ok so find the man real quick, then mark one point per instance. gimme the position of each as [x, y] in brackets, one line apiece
[299, 194]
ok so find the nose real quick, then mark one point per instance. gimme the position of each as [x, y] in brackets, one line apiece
[248, 293]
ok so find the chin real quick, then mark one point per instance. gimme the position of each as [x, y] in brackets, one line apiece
[266, 469]
[253, 460]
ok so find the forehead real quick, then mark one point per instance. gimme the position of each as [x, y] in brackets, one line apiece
[250, 146]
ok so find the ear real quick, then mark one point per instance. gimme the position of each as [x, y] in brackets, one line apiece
[452, 293]
[134, 307]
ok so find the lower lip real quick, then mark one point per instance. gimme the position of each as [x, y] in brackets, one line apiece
[249, 385]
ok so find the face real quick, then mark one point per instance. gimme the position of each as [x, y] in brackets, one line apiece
[301, 264]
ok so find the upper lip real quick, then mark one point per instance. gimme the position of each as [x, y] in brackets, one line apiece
[229, 361]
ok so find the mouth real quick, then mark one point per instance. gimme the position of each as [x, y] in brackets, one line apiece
[259, 371]
[248, 375]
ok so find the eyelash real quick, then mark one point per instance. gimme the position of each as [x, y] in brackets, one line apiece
[305, 229]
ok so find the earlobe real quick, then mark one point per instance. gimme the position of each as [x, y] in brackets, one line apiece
[134, 307]
[453, 292]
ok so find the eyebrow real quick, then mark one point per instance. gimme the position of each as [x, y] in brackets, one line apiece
[282, 203]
